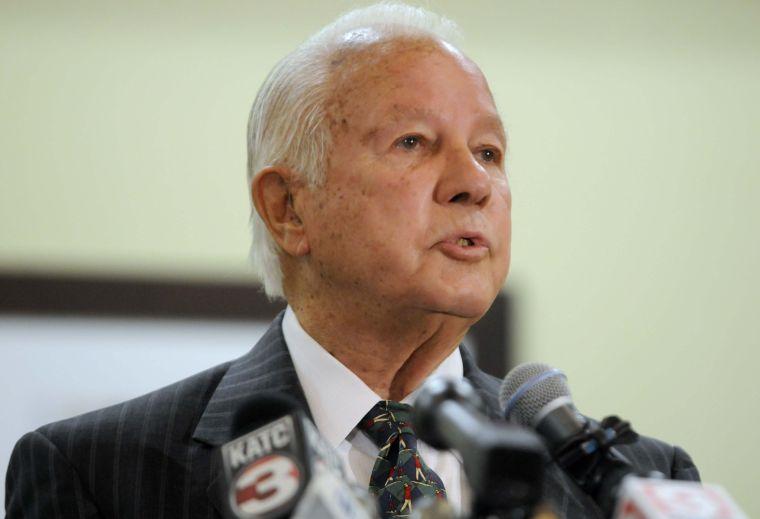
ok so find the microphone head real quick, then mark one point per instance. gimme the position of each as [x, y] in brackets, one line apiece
[429, 400]
[527, 390]
[265, 408]
[269, 461]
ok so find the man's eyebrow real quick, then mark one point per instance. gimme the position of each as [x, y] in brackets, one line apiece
[401, 113]
[493, 122]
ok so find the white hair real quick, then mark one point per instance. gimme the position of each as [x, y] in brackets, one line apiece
[287, 125]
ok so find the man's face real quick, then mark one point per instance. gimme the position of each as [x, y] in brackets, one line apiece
[415, 209]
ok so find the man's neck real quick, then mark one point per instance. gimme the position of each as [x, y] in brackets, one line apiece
[391, 351]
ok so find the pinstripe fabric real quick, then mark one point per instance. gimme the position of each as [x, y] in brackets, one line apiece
[152, 457]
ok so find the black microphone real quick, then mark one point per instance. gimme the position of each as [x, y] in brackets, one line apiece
[503, 462]
[279, 466]
[536, 395]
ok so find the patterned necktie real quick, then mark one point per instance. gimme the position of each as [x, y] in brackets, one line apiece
[399, 476]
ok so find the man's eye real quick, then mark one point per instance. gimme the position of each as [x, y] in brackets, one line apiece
[489, 155]
[409, 142]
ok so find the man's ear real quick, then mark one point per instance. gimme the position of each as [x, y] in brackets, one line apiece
[274, 192]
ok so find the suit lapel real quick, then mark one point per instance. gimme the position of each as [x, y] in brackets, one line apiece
[486, 386]
[268, 367]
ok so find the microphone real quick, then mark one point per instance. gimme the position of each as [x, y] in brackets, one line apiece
[536, 395]
[662, 499]
[329, 497]
[503, 462]
[279, 466]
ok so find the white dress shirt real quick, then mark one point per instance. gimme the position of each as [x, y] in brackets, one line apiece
[338, 400]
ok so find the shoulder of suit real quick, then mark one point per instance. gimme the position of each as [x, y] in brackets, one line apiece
[649, 454]
[172, 410]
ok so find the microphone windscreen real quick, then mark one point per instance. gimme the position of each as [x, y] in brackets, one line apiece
[263, 409]
[528, 388]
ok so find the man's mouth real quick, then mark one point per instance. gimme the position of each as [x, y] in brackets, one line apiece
[465, 246]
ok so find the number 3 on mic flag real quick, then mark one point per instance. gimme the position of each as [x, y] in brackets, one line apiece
[265, 485]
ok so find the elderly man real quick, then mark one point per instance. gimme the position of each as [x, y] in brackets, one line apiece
[382, 215]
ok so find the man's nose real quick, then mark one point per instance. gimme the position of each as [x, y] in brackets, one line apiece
[464, 180]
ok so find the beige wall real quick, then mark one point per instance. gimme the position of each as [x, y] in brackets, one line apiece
[634, 162]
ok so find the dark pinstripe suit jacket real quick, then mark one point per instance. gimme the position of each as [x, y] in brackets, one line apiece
[152, 457]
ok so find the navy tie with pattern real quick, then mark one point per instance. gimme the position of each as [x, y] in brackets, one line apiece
[399, 476]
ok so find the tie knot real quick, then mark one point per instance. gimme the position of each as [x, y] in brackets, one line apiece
[386, 421]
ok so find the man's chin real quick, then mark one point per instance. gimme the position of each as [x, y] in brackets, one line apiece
[469, 305]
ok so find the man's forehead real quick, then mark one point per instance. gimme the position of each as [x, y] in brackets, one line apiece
[400, 112]
[384, 68]
[381, 61]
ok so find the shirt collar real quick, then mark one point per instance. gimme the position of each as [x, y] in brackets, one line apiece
[337, 398]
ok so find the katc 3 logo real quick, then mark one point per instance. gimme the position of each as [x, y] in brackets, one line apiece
[265, 485]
